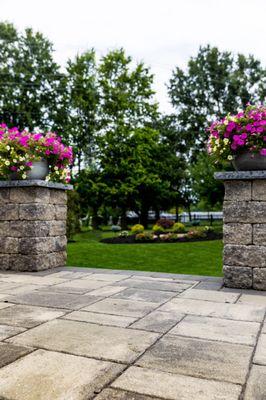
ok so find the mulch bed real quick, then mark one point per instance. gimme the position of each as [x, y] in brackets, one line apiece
[131, 239]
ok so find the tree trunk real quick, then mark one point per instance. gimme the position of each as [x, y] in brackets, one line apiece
[176, 213]
[124, 219]
[144, 217]
[95, 221]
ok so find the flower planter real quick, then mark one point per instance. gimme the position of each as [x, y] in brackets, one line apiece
[249, 162]
[39, 170]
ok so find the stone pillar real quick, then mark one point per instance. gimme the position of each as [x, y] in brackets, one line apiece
[32, 225]
[244, 213]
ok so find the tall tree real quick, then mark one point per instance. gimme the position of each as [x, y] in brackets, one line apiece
[83, 98]
[32, 85]
[213, 84]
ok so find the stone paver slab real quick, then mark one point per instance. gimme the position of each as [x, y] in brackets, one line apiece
[4, 286]
[151, 285]
[241, 312]
[113, 394]
[210, 295]
[21, 289]
[157, 321]
[101, 319]
[49, 375]
[153, 296]
[78, 286]
[260, 355]
[91, 340]
[218, 329]
[5, 305]
[32, 279]
[199, 358]
[7, 331]
[107, 291]
[259, 300]
[124, 307]
[209, 286]
[53, 299]
[28, 316]
[175, 387]
[256, 386]
[10, 353]
[106, 277]
[157, 278]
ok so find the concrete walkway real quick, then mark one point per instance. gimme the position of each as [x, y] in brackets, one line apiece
[79, 334]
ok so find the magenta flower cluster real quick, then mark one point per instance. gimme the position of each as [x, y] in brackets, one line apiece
[234, 134]
[19, 149]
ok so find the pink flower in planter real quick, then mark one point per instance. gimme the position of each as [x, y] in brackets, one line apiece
[263, 152]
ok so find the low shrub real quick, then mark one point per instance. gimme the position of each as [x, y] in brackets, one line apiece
[208, 229]
[123, 234]
[178, 227]
[165, 223]
[157, 229]
[144, 237]
[138, 228]
[196, 234]
[195, 222]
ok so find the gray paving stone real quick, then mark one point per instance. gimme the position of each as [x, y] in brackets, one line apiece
[256, 386]
[107, 291]
[10, 353]
[53, 299]
[47, 375]
[28, 316]
[91, 340]
[106, 277]
[157, 321]
[174, 387]
[260, 355]
[21, 289]
[32, 279]
[253, 299]
[8, 331]
[129, 308]
[209, 285]
[153, 296]
[5, 305]
[151, 285]
[4, 286]
[199, 358]
[101, 319]
[218, 329]
[210, 295]
[113, 394]
[78, 286]
[240, 312]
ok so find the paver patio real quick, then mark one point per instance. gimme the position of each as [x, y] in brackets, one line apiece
[80, 334]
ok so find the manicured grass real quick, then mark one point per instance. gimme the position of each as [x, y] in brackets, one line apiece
[196, 258]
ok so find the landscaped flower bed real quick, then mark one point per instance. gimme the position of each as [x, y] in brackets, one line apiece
[19, 150]
[167, 237]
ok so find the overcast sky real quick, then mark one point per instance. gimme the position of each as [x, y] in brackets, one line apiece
[162, 33]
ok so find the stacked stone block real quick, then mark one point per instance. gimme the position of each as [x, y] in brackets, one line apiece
[244, 258]
[32, 226]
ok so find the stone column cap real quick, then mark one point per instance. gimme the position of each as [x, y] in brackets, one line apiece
[240, 175]
[34, 183]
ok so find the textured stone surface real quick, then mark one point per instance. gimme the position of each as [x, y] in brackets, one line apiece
[259, 234]
[155, 285]
[8, 331]
[10, 353]
[29, 195]
[8, 212]
[259, 190]
[241, 332]
[240, 175]
[260, 355]
[58, 197]
[113, 394]
[234, 233]
[153, 296]
[124, 307]
[91, 340]
[29, 228]
[238, 277]
[256, 386]
[57, 228]
[237, 190]
[172, 387]
[9, 245]
[245, 256]
[60, 212]
[33, 212]
[157, 321]
[199, 358]
[210, 295]
[4, 228]
[56, 376]
[101, 319]
[33, 183]
[211, 309]
[236, 211]
[28, 316]
[259, 278]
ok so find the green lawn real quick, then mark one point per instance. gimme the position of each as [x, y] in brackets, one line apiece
[197, 258]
